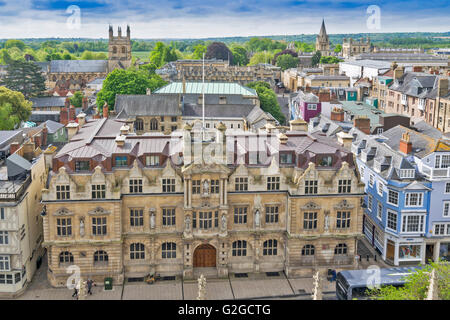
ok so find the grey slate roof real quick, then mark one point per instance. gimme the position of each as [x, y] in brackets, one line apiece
[147, 105]
[52, 126]
[42, 116]
[48, 102]
[417, 84]
[428, 130]
[74, 66]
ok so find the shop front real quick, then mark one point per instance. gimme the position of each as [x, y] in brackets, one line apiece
[404, 251]
[444, 251]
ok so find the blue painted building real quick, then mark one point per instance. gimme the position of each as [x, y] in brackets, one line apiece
[407, 212]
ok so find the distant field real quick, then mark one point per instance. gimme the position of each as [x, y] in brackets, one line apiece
[143, 55]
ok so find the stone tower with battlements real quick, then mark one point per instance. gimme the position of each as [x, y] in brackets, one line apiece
[119, 50]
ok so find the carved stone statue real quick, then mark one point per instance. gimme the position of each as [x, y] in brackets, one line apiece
[82, 227]
[224, 222]
[201, 287]
[327, 222]
[152, 220]
[205, 187]
[257, 218]
[187, 224]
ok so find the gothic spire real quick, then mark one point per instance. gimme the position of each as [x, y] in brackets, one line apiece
[323, 31]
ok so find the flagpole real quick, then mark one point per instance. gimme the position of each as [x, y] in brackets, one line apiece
[203, 97]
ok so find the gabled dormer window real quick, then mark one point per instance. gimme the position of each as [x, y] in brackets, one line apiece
[121, 161]
[286, 158]
[407, 173]
[325, 161]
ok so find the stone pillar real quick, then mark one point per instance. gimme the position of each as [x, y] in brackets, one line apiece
[437, 247]
[185, 192]
[221, 190]
[189, 190]
[422, 253]
[225, 195]
[396, 254]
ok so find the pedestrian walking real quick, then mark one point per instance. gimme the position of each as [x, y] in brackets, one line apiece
[75, 293]
[90, 283]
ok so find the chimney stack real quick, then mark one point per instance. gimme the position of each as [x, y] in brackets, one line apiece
[67, 103]
[298, 125]
[442, 87]
[13, 147]
[84, 103]
[124, 130]
[44, 135]
[81, 119]
[282, 138]
[105, 110]
[120, 140]
[362, 123]
[72, 113]
[337, 114]
[148, 91]
[64, 116]
[398, 72]
[405, 143]
[72, 129]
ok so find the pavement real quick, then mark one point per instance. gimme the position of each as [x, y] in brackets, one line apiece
[256, 286]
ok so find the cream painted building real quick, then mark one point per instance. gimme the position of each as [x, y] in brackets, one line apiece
[23, 177]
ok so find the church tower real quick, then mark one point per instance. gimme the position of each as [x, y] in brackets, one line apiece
[119, 50]
[322, 41]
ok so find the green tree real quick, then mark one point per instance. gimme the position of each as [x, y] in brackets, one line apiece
[130, 81]
[5, 57]
[417, 283]
[25, 77]
[286, 61]
[156, 55]
[316, 58]
[261, 57]
[329, 60]
[199, 50]
[239, 56]
[268, 100]
[338, 48]
[77, 99]
[13, 108]
[15, 43]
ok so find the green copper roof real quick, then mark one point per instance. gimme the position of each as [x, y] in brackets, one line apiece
[210, 88]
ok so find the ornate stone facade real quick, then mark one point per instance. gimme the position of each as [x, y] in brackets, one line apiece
[172, 204]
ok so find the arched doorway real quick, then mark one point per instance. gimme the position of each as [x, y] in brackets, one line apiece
[205, 256]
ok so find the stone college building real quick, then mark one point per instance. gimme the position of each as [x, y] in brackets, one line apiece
[218, 201]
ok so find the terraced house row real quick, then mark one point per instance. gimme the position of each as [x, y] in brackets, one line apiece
[218, 201]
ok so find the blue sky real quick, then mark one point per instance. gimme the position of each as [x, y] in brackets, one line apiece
[216, 18]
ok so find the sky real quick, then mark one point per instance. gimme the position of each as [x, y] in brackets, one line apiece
[162, 19]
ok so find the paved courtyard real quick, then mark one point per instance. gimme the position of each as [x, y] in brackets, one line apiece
[255, 286]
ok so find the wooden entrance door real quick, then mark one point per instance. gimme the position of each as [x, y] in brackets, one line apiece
[205, 256]
[390, 250]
